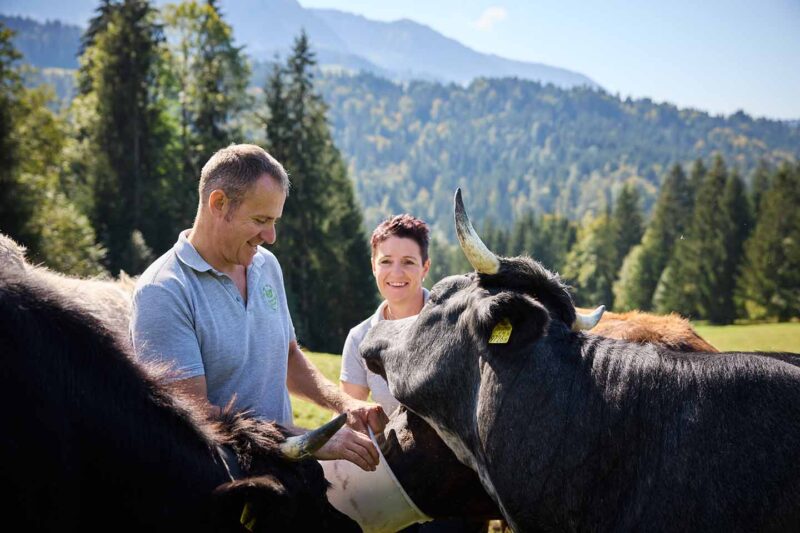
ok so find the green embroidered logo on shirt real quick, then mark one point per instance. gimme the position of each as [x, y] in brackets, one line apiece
[270, 296]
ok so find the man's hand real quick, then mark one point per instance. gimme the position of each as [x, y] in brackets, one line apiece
[361, 414]
[352, 446]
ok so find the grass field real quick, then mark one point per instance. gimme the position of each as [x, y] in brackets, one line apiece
[751, 337]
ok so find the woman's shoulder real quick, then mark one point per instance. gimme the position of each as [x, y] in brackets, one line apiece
[357, 333]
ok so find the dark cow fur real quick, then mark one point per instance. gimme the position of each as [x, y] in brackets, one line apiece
[91, 441]
[569, 431]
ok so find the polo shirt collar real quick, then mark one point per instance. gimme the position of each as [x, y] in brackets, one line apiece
[191, 258]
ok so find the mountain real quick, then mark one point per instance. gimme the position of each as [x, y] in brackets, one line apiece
[518, 145]
[400, 50]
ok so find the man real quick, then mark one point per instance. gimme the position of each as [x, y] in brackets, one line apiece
[215, 306]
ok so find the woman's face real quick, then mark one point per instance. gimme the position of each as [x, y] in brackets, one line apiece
[398, 269]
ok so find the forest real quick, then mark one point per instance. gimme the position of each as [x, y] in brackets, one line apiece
[637, 205]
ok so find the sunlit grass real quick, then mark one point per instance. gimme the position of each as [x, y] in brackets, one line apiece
[753, 337]
[307, 414]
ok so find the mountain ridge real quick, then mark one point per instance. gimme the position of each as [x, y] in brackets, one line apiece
[388, 51]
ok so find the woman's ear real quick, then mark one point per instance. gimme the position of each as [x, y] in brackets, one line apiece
[510, 318]
[426, 267]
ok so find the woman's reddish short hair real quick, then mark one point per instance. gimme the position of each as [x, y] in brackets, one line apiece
[405, 226]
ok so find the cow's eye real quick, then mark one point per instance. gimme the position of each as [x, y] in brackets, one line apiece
[433, 297]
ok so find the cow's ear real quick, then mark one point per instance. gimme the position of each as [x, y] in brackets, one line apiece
[255, 503]
[510, 318]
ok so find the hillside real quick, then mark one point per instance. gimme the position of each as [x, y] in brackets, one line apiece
[515, 144]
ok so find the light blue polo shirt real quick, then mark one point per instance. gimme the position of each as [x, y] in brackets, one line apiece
[189, 314]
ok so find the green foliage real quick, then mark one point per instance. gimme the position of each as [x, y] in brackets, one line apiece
[770, 280]
[521, 146]
[16, 198]
[641, 270]
[626, 223]
[321, 244]
[126, 135]
[33, 211]
[591, 263]
[209, 76]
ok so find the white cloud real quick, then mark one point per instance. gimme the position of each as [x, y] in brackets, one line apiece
[490, 16]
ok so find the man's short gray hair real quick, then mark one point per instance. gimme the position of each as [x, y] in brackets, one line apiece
[236, 168]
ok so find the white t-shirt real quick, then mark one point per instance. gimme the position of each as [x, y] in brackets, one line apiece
[354, 368]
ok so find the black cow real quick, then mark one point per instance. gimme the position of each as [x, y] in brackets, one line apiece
[575, 432]
[91, 441]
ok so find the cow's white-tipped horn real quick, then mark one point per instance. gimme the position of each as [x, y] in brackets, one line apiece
[479, 256]
[584, 322]
[304, 445]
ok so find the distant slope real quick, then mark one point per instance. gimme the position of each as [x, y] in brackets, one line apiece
[413, 50]
[401, 50]
[50, 44]
[516, 145]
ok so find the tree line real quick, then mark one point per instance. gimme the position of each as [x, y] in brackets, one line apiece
[712, 249]
[108, 183]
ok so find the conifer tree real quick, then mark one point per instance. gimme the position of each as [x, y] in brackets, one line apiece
[644, 265]
[760, 185]
[128, 155]
[736, 227]
[321, 243]
[770, 280]
[710, 232]
[626, 223]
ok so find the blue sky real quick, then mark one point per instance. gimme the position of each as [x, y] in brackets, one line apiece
[715, 55]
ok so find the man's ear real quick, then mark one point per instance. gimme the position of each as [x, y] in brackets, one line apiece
[218, 202]
[510, 319]
[256, 503]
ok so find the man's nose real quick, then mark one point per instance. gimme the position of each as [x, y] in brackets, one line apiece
[269, 235]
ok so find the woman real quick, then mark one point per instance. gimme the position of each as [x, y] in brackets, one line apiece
[399, 263]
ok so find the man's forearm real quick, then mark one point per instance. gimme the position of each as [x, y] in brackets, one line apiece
[306, 381]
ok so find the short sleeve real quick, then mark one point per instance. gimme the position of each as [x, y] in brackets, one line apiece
[162, 331]
[353, 367]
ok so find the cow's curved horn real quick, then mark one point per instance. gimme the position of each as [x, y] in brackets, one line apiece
[478, 255]
[584, 322]
[304, 445]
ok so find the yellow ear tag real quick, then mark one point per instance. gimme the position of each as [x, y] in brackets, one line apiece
[247, 520]
[501, 332]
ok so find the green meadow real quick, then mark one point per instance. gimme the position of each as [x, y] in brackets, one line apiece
[752, 337]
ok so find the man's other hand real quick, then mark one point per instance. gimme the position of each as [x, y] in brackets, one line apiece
[353, 446]
[361, 414]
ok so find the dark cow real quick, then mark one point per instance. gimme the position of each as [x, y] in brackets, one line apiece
[413, 449]
[91, 441]
[569, 431]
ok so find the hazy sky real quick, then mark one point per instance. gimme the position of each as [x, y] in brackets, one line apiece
[716, 55]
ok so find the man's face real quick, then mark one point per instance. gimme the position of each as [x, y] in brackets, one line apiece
[252, 222]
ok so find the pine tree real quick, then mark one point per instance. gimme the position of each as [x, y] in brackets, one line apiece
[710, 230]
[128, 156]
[321, 244]
[760, 185]
[770, 280]
[643, 266]
[626, 223]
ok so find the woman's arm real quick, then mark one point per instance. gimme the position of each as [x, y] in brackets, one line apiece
[359, 392]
